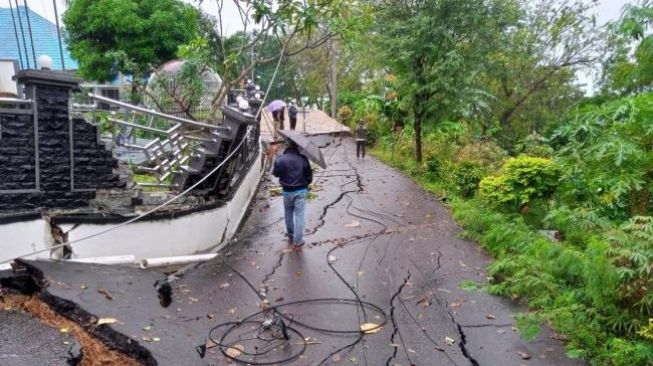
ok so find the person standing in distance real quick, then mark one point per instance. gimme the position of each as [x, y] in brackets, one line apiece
[295, 174]
[292, 113]
[361, 138]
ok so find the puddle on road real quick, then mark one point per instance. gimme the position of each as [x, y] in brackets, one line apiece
[94, 352]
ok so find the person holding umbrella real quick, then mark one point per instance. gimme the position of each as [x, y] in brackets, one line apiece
[295, 174]
[277, 109]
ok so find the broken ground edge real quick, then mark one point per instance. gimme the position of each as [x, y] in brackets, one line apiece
[29, 280]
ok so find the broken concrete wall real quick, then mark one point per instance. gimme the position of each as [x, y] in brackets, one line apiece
[60, 165]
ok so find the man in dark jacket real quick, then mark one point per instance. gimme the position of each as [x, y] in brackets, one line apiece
[361, 138]
[292, 113]
[295, 174]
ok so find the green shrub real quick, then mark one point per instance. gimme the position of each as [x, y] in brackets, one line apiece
[524, 178]
[534, 145]
[466, 178]
[485, 153]
[433, 169]
[345, 114]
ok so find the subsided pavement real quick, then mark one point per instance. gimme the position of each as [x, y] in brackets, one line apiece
[380, 251]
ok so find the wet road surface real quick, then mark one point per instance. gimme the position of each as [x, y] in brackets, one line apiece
[379, 251]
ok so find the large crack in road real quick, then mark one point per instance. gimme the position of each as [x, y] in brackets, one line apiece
[395, 330]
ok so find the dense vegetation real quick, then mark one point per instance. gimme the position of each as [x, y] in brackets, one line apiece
[553, 183]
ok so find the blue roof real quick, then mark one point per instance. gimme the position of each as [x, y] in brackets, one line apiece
[44, 34]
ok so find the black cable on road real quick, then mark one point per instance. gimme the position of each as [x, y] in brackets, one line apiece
[275, 309]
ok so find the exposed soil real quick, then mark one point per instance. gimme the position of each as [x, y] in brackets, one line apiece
[94, 352]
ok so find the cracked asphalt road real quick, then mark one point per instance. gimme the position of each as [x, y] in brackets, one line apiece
[373, 237]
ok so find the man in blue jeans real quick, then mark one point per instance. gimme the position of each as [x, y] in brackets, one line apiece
[295, 174]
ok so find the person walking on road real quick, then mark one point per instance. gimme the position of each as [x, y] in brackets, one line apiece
[361, 138]
[292, 114]
[282, 117]
[295, 174]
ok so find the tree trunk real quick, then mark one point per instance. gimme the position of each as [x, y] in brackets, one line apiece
[640, 199]
[334, 79]
[418, 131]
[134, 92]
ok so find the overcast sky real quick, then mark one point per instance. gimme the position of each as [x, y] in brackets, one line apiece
[607, 10]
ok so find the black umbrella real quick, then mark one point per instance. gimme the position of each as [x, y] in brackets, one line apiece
[306, 146]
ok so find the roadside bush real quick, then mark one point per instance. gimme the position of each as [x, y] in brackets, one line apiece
[345, 114]
[434, 169]
[534, 145]
[466, 178]
[485, 153]
[524, 179]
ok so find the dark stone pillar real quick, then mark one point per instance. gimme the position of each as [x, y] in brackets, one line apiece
[50, 160]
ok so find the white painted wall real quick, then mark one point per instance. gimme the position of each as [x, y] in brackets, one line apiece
[185, 235]
[7, 71]
[23, 237]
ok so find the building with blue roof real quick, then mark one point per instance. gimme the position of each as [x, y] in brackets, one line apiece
[44, 39]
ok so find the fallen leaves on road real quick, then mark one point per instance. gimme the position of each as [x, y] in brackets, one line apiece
[353, 223]
[210, 344]
[106, 321]
[235, 351]
[524, 355]
[370, 328]
[150, 339]
[106, 293]
[424, 302]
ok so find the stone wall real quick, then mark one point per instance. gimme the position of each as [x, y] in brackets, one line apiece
[17, 152]
[58, 136]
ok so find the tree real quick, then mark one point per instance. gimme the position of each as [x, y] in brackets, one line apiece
[607, 152]
[532, 69]
[434, 47]
[269, 32]
[629, 69]
[127, 36]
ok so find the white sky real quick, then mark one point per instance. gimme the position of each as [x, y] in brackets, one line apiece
[607, 10]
